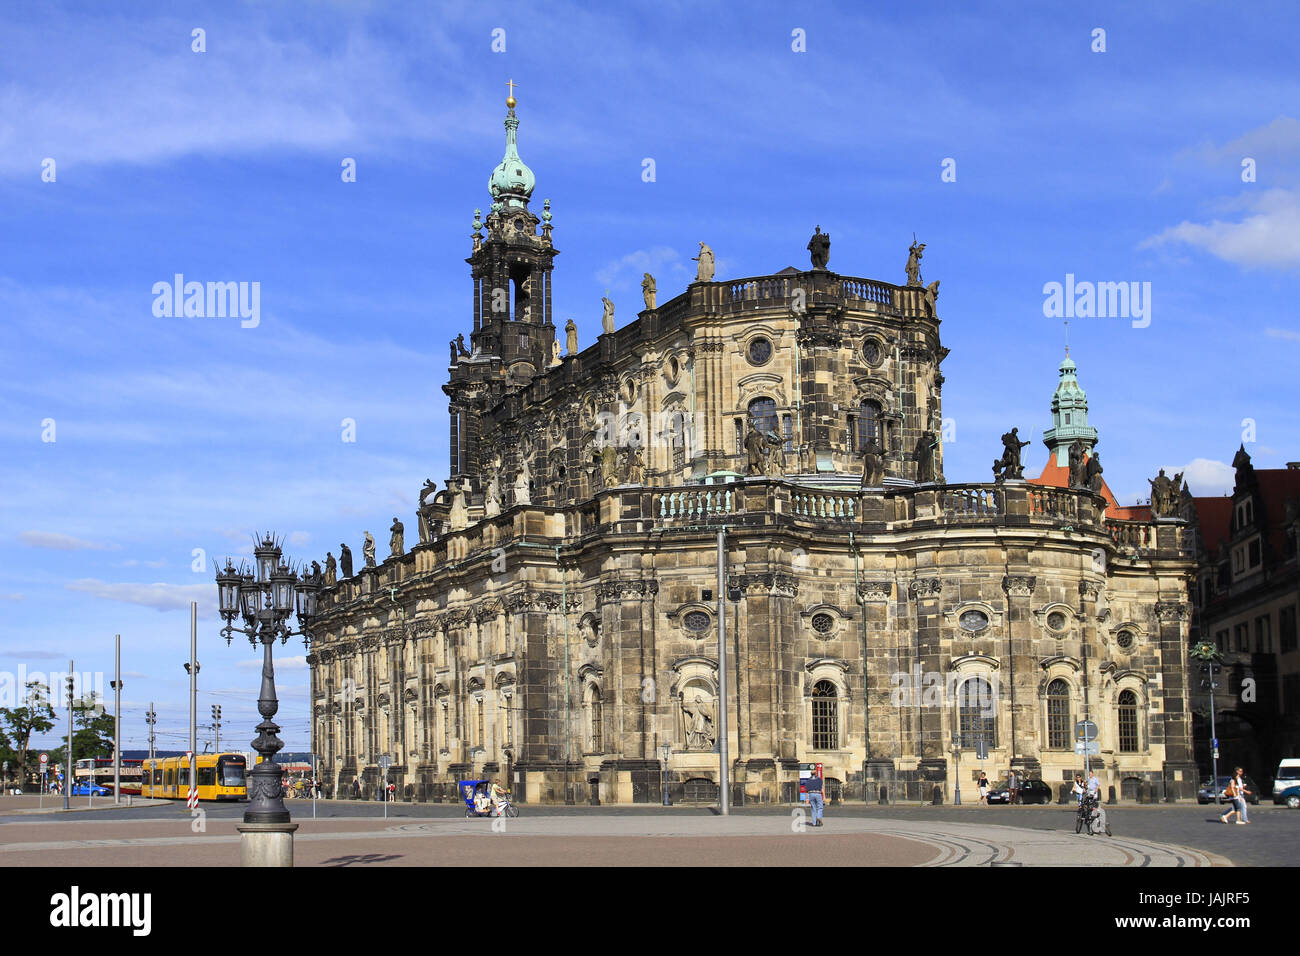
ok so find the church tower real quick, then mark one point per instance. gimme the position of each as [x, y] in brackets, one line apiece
[512, 334]
[1069, 416]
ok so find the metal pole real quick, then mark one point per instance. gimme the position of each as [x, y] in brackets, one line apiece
[568, 696]
[1087, 717]
[194, 688]
[67, 771]
[117, 720]
[724, 790]
[1214, 744]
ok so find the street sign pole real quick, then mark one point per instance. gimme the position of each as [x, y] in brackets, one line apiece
[117, 720]
[67, 783]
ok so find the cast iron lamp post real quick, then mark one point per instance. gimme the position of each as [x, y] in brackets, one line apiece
[264, 601]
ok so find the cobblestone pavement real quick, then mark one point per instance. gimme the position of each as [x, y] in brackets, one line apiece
[583, 836]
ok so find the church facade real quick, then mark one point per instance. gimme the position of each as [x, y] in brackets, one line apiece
[755, 464]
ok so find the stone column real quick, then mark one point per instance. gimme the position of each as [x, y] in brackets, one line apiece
[933, 739]
[1022, 674]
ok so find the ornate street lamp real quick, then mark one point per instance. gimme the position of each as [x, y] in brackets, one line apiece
[264, 600]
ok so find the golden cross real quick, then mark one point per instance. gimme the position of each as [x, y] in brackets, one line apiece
[511, 84]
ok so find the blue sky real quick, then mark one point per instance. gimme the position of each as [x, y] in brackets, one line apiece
[173, 434]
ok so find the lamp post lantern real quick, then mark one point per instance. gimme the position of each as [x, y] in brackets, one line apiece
[263, 601]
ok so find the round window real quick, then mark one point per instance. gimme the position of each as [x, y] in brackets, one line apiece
[697, 621]
[1056, 621]
[871, 352]
[823, 623]
[760, 350]
[1124, 639]
[973, 620]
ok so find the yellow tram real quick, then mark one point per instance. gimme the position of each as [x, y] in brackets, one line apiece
[220, 777]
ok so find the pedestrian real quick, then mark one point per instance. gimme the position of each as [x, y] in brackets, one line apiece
[392, 792]
[813, 786]
[1078, 789]
[1094, 790]
[1013, 788]
[356, 788]
[984, 788]
[1236, 794]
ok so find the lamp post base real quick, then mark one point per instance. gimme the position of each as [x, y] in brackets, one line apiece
[266, 844]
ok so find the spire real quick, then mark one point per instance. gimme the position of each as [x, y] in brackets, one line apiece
[512, 182]
[1069, 415]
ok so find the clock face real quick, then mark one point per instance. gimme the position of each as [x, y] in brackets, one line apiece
[871, 352]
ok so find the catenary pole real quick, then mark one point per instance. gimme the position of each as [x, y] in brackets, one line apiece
[194, 689]
[117, 719]
[724, 789]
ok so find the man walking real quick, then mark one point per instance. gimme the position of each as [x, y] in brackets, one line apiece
[1013, 788]
[813, 786]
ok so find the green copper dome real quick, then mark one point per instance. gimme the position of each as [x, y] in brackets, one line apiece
[1069, 415]
[512, 178]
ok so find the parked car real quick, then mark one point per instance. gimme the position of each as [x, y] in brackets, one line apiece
[86, 788]
[1031, 791]
[1215, 795]
[1290, 796]
[1288, 775]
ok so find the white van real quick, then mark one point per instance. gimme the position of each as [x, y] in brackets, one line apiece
[1288, 774]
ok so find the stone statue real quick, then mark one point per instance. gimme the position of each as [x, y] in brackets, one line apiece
[368, 550]
[697, 717]
[608, 466]
[1164, 494]
[1077, 474]
[607, 317]
[931, 293]
[345, 560]
[523, 478]
[458, 517]
[492, 497]
[873, 463]
[331, 570]
[820, 248]
[429, 486]
[914, 263]
[422, 525]
[1009, 466]
[571, 335]
[925, 448]
[648, 291]
[755, 447]
[705, 271]
[1092, 473]
[775, 455]
[397, 534]
[316, 576]
[555, 353]
[454, 358]
[460, 345]
[635, 467]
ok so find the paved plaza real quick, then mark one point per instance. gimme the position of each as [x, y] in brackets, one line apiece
[347, 833]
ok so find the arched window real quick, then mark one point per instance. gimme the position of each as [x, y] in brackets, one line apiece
[976, 707]
[868, 425]
[762, 412]
[1128, 722]
[1058, 715]
[825, 716]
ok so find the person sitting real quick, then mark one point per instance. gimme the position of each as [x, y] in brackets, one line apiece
[482, 803]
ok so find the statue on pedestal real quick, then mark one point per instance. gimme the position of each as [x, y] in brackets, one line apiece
[755, 448]
[492, 497]
[345, 560]
[368, 550]
[396, 536]
[458, 517]
[608, 466]
[649, 291]
[820, 248]
[1077, 465]
[1092, 473]
[635, 467]
[1164, 494]
[555, 353]
[523, 479]
[914, 262]
[571, 336]
[331, 570]
[925, 449]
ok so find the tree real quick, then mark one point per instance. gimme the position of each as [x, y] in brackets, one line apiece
[35, 716]
[92, 731]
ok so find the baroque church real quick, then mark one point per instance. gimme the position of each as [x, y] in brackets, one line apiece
[753, 465]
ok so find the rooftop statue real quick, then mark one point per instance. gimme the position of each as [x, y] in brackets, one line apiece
[648, 291]
[914, 262]
[1092, 473]
[571, 337]
[1009, 466]
[705, 259]
[397, 534]
[1078, 475]
[925, 448]
[368, 550]
[345, 560]
[820, 248]
[331, 570]
[607, 317]
[873, 463]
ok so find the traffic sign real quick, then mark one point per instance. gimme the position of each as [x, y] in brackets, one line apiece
[45, 758]
[1085, 730]
[1091, 748]
[385, 761]
[1215, 742]
[982, 749]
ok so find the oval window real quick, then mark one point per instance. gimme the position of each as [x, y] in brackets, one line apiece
[973, 620]
[1056, 621]
[697, 621]
[1124, 639]
[760, 350]
[823, 623]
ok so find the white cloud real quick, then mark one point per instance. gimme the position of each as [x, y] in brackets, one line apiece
[1269, 236]
[629, 267]
[1276, 139]
[299, 538]
[1206, 477]
[160, 596]
[60, 542]
[13, 597]
[281, 664]
[1286, 334]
